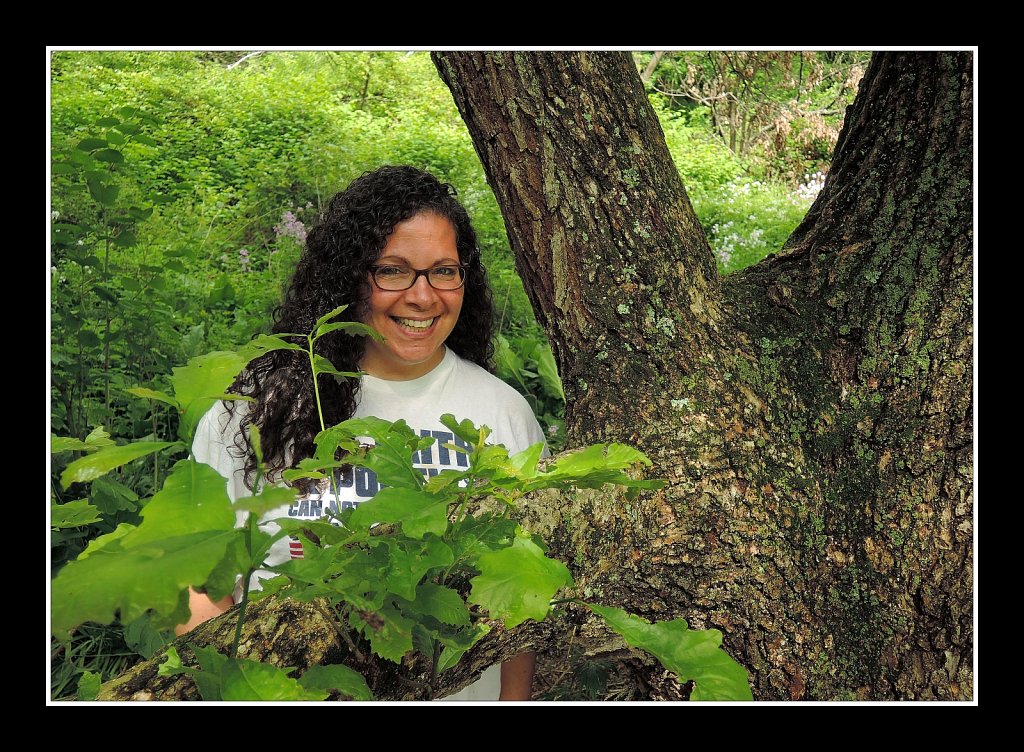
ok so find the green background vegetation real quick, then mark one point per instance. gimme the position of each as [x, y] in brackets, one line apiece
[182, 183]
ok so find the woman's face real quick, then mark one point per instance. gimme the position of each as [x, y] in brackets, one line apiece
[415, 322]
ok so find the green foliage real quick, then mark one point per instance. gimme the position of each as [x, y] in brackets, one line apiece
[398, 587]
[88, 686]
[95, 648]
[99, 463]
[778, 111]
[693, 655]
[745, 220]
[518, 582]
[527, 363]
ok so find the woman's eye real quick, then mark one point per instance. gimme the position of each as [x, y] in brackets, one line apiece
[391, 271]
[444, 272]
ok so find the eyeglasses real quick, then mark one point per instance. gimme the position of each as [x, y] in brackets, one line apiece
[394, 278]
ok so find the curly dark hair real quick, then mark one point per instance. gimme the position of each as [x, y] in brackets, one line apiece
[346, 240]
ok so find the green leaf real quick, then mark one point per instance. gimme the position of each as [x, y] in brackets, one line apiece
[518, 582]
[140, 636]
[313, 567]
[483, 534]
[328, 316]
[418, 512]
[101, 192]
[328, 533]
[141, 391]
[594, 466]
[510, 365]
[265, 343]
[391, 457]
[270, 498]
[101, 542]
[175, 265]
[245, 680]
[63, 168]
[256, 444]
[693, 655]
[465, 430]
[453, 652]
[223, 291]
[142, 138]
[68, 444]
[88, 686]
[125, 239]
[172, 665]
[193, 499]
[98, 437]
[91, 144]
[128, 128]
[443, 603]
[411, 560]
[197, 385]
[525, 462]
[73, 514]
[106, 122]
[106, 295]
[112, 156]
[88, 338]
[323, 365]
[94, 465]
[547, 370]
[354, 328]
[208, 678]
[222, 578]
[141, 212]
[389, 633]
[115, 138]
[126, 581]
[337, 678]
[110, 496]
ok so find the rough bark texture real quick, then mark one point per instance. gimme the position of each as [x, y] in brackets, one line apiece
[813, 414]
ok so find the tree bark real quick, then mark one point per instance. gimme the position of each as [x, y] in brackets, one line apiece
[813, 414]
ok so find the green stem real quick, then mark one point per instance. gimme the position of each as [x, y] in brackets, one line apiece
[316, 382]
[434, 659]
[319, 408]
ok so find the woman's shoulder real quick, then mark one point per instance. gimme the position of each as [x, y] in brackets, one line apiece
[220, 423]
[470, 375]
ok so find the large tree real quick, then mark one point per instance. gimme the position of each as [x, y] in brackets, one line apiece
[812, 414]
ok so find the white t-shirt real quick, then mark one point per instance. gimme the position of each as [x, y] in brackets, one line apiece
[454, 386]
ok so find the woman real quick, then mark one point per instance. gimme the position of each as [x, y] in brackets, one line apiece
[399, 249]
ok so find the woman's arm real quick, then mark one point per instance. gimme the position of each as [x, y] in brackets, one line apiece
[203, 609]
[517, 677]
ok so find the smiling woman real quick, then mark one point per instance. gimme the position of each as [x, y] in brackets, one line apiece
[399, 250]
[415, 321]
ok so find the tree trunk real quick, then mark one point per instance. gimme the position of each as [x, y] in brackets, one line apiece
[813, 414]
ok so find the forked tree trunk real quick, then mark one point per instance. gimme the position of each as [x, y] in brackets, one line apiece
[812, 414]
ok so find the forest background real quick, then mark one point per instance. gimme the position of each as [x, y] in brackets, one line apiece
[183, 184]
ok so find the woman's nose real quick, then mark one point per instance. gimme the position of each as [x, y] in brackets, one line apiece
[421, 292]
